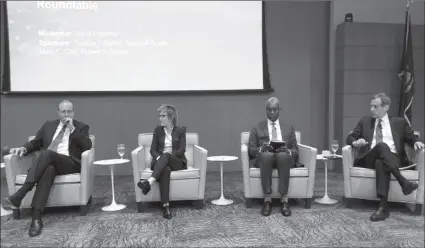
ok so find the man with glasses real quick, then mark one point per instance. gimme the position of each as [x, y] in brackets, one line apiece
[380, 139]
[61, 143]
[263, 156]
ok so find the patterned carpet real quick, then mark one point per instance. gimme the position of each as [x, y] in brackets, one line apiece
[217, 226]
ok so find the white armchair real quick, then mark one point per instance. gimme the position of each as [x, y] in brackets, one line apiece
[188, 184]
[67, 190]
[360, 182]
[301, 181]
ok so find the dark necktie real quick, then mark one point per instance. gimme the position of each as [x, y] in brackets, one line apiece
[55, 143]
[378, 135]
[274, 131]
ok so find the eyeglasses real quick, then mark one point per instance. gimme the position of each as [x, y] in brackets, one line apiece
[66, 111]
[162, 116]
[273, 109]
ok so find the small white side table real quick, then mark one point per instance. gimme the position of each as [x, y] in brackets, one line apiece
[111, 163]
[4, 212]
[221, 159]
[326, 199]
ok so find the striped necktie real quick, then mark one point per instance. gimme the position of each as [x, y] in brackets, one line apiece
[55, 143]
[274, 131]
[378, 134]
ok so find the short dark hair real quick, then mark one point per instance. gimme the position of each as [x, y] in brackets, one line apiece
[171, 111]
[385, 99]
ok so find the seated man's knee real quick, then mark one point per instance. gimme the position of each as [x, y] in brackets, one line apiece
[383, 147]
[46, 153]
[266, 155]
[283, 156]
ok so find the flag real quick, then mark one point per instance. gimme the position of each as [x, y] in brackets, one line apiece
[406, 74]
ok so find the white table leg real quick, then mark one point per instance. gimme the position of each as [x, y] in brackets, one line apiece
[222, 200]
[114, 206]
[326, 199]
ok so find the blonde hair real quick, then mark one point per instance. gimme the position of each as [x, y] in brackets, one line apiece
[171, 112]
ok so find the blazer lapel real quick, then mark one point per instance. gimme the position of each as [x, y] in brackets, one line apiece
[77, 126]
[394, 134]
[370, 131]
[174, 136]
[282, 131]
[162, 137]
[266, 128]
[52, 131]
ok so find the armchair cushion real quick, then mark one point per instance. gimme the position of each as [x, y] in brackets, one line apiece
[364, 172]
[70, 178]
[189, 173]
[294, 172]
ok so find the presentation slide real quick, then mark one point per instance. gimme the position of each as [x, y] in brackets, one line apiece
[61, 46]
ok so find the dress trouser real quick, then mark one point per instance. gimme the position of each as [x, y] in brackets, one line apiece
[267, 161]
[385, 163]
[162, 171]
[43, 171]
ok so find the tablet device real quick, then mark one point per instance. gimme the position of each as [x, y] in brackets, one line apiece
[277, 144]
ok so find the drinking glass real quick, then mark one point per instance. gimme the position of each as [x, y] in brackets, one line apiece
[335, 146]
[121, 150]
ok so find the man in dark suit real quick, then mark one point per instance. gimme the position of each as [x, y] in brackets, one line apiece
[380, 140]
[262, 156]
[61, 143]
[167, 150]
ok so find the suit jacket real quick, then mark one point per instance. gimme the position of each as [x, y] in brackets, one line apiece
[178, 141]
[260, 134]
[79, 140]
[400, 129]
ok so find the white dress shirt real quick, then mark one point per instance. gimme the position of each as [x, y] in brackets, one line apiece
[63, 147]
[270, 127]
[387, 136]
[168, 147]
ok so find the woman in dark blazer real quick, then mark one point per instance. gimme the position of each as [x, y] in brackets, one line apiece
[167, 150]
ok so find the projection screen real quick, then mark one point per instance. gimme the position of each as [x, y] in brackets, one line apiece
[118, 46]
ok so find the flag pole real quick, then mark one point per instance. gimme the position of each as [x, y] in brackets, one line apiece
[408, 3]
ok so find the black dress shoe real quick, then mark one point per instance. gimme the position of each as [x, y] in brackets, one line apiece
[144, 186]
[266, 210]
[380, 214]
[11, 202]
[35, 228]
[409, 187]
[285, 209]
[167, 212]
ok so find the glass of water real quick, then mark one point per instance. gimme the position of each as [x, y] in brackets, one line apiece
[121, 150]
[335, 146]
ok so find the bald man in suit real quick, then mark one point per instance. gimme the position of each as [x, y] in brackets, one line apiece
[263, 156]
[61, 143]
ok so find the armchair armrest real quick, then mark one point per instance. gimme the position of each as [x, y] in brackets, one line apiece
[200, 161]
[347, 163]
[421, 169]
[307, 156]
[138, 163]
[15, 165]
[245, 169]
[87, 175]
